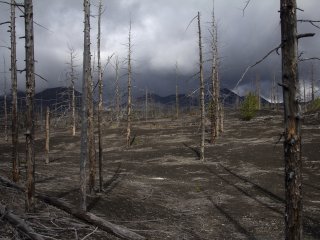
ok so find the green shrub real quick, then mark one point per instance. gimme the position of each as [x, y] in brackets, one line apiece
[249, 107]
[315, 105]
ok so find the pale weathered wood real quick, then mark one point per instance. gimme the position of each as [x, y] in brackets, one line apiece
[30, 91]
[100, 106]
[47, 136]
[202, 107]
[292, 120]
[14, 104]
[119, 231]
[18, 223]
[129, 102]
[84, 118]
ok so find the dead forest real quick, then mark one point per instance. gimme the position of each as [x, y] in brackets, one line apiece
[206, 164]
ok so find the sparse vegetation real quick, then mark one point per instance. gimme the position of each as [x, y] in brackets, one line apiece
[249, 107]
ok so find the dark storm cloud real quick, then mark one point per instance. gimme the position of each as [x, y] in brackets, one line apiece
[160, 39]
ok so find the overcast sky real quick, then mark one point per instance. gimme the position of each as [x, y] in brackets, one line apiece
[160, 39]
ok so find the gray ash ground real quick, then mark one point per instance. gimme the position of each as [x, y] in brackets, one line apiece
[159, 188]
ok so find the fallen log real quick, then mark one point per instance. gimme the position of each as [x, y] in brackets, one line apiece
[19, 223]
[119, 231]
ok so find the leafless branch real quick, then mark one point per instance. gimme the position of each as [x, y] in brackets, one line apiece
[312, 22]
[5, 47]
[191, 22]
[8, 22]
[41, 77]
[276, 49]
[304, 35]
[308, 59]
[245, 6]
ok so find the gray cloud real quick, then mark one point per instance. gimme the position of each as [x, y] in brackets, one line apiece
[160, 39]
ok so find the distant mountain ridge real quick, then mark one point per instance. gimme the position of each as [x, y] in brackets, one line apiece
[59, 98]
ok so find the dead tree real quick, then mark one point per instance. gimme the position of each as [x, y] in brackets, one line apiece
[129, 107]
[215, 88]
[177, 92]
[47, 136]
[258, 91]
[117, 91]
[5, 102]
[30, 90]
[91, 142]
[100, 106]
[292, 120]
[312, 83]
[146, 105]
[14, 107]
[84, 118]
[73, 97]
[202, 107]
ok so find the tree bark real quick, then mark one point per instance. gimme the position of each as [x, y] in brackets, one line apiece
[30, 89]
[117, 91]
[14, 118]
[129, 107]
[19, 223]
[292, 123]
[177, 93]
[47, 148]
[202, 108]
[84, 118]
[100, 110]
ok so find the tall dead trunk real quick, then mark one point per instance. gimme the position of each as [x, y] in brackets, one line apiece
[91, 142]
[30, 90]
[312, 83]
[177, 92]
[292, 120]
[73, 100]
[100, 106]
[129, 91]
[14, 107]
[5, 103]
[117, 91]
[202, 108]
[146, 103]
[304, 95]
[215, 88]
[47, 136]
[84, 118]
[258, 91]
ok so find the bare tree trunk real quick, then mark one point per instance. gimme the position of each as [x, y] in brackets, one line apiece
[100, 99]
[14, 117]
[84, 117]
[129, 91]
[177, 92]
[312, 83]
[47, 135]
[146, 104]
[91, 142]
[73, 100]
[117, 91]
[202, 109]
[292, 115]
[258, 91]
[30, 89]
[5, 110]
[304, 95]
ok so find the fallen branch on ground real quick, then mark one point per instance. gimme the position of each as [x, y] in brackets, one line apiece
[18, 222]
[88, 217]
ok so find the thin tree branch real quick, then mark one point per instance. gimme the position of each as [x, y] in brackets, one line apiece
[8, 22]
[256, 63]
[304, 35]
[245, 7]
[312, 22]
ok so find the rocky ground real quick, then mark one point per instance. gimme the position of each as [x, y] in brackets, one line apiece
[159, 188]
